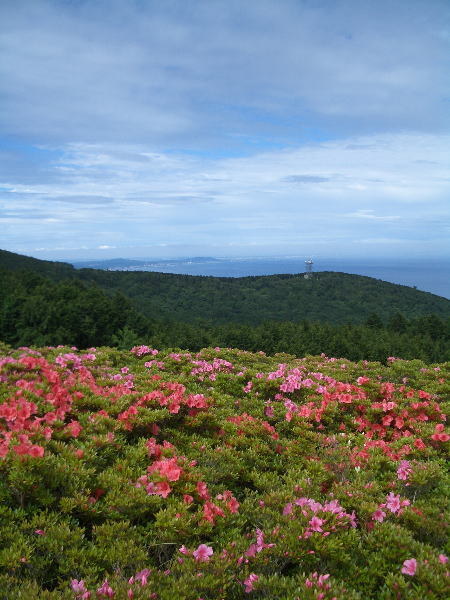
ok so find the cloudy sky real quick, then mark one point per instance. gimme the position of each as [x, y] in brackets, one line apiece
[146, 128]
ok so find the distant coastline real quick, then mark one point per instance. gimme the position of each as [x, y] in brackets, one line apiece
[426, 275]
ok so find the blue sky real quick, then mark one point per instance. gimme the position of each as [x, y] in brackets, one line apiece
[224, 128]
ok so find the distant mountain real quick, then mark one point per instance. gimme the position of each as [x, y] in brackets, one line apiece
[111, 263]
[132, 264]
[196, 259]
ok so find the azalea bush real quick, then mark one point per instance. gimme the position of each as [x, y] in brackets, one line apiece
[221, 474]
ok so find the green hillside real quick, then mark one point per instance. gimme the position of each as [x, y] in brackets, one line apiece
[327, 297]
[17, 262]
[44, 303]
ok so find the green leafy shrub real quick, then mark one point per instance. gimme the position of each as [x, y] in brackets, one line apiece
[221, 474]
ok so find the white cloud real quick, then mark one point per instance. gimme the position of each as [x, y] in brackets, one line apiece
[223, 124]
[368, 214]
[107, 196]
[205, 74]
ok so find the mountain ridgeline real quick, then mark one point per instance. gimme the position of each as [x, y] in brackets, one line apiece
[354, 316]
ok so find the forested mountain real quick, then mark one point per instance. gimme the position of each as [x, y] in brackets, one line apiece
[44, 303]
[17, 262]
[327, 297]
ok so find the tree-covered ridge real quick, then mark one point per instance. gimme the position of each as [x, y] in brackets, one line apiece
[17, 262]
[50, 305]
[35, 310]
[221, 475]
[327, 297]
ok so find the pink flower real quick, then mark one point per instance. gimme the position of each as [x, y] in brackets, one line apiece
[378, 515]
[259, 540]
[203, 553]
[321, 581]
[78, 586]
[167, 467]
[443, 559]
[268, 411]
[315, 524]
[404, 470]
[418, 443]
[440, 437]
[106, 590]
[393, 502]
[162, 489]
[39, 532]
[74, 428]
[202, 490]
[233, 505]
[250, 581]
[183, 550]
[142, 576]
[409, 567]
[36, 451]
[287, 509]
[211, 511]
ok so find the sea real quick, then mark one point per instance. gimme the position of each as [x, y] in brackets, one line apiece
[428, 275]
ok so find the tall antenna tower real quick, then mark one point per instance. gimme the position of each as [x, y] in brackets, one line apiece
[308, 268]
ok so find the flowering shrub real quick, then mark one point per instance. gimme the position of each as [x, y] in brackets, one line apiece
[221, 474]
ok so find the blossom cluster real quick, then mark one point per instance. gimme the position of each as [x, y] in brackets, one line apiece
[220, 474]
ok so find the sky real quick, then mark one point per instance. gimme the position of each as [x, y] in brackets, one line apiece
[149, 128]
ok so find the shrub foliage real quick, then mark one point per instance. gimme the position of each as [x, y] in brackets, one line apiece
[221, 474]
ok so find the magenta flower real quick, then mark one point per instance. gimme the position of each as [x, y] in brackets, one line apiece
[322, 579]
[78, 587]
[268, 411]
[409, 567]
[250, 581]
[106, 590]
[287, 509]
[142, 576]
[203, 553]
[259, 540]
[393, 502]
[315, 524]
[404, 470]
[378, 515]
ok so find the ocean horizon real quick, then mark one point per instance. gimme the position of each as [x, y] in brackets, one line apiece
[428, 275]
